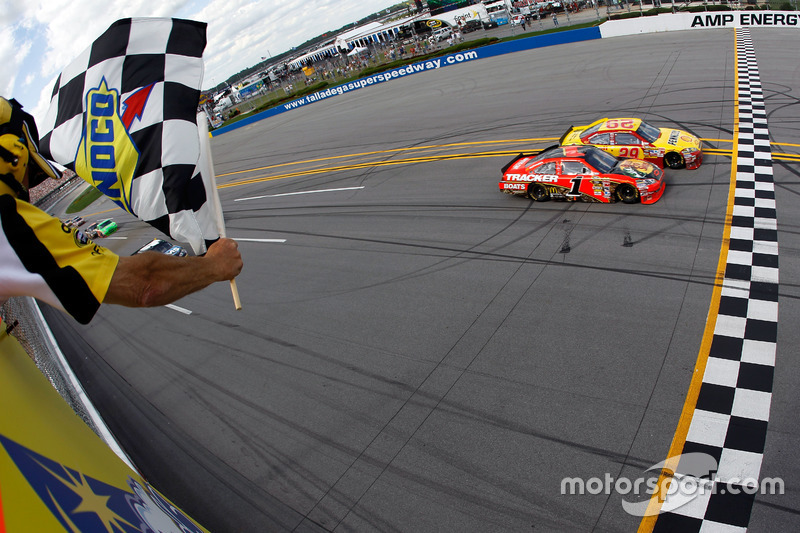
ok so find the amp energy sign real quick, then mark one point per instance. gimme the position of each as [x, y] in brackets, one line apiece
[701, 21]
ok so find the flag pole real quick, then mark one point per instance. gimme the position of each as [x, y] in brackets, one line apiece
[207, 170]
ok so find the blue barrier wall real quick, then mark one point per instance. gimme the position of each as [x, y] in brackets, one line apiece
[492, 50]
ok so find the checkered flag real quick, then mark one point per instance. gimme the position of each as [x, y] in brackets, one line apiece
[123, 116]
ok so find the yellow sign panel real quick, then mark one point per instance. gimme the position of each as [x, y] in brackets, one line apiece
[56, 474]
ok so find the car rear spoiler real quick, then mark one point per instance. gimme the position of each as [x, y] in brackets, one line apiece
[523, 154]
[561, 140]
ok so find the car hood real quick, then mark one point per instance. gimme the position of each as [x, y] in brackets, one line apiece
[637, 169]
[676, 140]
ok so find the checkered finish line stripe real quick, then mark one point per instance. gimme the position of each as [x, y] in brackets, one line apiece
[730, 418]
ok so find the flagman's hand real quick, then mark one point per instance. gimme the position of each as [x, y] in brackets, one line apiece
[152, 279]
[226, 256]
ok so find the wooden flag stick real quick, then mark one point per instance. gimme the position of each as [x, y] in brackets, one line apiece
[235, 292]
[207, 166]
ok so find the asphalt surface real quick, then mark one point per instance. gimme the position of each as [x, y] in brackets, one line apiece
[420, 352]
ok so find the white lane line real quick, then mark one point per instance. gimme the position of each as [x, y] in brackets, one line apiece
[240, 239]
[296, 193]
[117, 238]
[178, 309]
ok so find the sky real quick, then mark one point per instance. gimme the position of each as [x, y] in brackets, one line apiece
[40, 37]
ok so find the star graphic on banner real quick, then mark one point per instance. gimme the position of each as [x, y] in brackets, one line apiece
[91, 502]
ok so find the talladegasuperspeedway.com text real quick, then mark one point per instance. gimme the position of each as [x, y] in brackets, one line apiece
[385, 76]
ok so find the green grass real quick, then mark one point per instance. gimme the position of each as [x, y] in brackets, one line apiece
[84, 200]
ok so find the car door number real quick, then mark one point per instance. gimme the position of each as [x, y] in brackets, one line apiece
[631, 152]
[576, 187]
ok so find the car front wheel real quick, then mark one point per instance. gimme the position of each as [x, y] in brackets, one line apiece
[627, 193]
[674, 160]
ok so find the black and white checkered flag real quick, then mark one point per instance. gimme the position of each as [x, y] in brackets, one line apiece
[123, 116]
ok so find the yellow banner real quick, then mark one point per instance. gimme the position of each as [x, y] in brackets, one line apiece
[57, 474]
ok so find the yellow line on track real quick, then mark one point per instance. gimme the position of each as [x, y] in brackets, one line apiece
[429, 159]
[391, 151]
[370, 164]
[679, 438]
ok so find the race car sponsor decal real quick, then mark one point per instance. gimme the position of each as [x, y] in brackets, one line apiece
[521, 163]
[549, 178]
[107, 153]
[637, 169]
[601, 188]
[556, 192]
[515, 187]
[673, 137]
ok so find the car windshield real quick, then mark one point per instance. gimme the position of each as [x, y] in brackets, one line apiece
[160, 246]
[602, 161]
[105, 223]
[648, 132]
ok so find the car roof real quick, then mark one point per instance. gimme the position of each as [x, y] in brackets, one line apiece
[572, 152]
[636, 122]
[156, 245]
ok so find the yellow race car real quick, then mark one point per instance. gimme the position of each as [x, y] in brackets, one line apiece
[635, 138]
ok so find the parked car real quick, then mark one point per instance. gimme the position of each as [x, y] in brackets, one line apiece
[471, 25]
[441, 34]
[582, 173]
[162, 246]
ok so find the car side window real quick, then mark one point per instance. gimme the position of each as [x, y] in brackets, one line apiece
[600, 138]
[571, 168]
[547, 168]
[626, 139]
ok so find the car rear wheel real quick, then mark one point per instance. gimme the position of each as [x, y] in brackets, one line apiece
[674, 160]
[627, 193]
[538, 193]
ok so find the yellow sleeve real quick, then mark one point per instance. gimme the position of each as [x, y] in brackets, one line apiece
[76, 270]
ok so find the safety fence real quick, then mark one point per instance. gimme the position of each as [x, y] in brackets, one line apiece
[24, 319]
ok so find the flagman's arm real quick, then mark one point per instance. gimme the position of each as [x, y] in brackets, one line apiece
[152, 279]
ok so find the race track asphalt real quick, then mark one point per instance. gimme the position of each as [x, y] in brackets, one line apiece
[420, 352]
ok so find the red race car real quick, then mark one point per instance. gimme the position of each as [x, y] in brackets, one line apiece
[582, 173]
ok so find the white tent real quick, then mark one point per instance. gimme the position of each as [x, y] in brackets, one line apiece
[357, 50]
